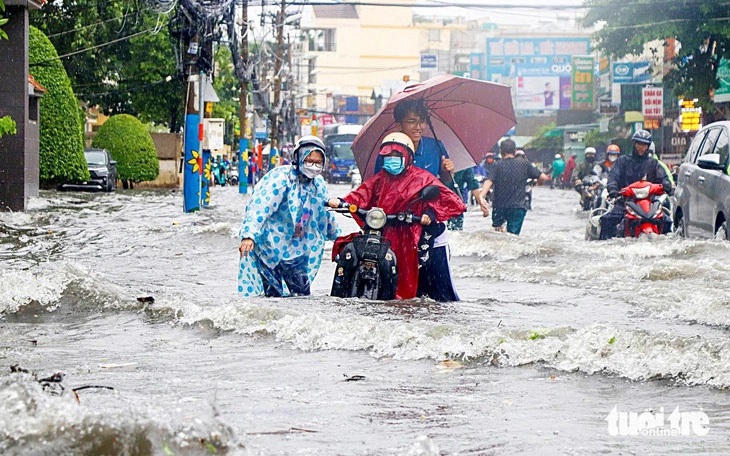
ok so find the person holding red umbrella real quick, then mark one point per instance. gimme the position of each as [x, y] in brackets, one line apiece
[396, 188]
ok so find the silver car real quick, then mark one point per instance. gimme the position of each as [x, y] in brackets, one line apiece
[702, 198]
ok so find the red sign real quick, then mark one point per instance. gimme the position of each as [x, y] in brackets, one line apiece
[652, 102]
[326, 119]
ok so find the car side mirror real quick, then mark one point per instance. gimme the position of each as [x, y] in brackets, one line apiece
[430, 193]
[710, 161]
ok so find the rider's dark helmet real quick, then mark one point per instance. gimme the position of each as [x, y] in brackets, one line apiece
[306, 143]
[642, 136]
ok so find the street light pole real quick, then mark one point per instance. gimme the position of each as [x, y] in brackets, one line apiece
[243, 140]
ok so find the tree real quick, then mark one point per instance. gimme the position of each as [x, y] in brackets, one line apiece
[61, 122]
[131, 145]
[119, 56]
[3, 21]
[228, 89]
[700, 26]
[547, 138]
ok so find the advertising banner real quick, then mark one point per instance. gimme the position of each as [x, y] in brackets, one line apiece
[652, 102]
[582, 80]
[722, 93]
[630, 72]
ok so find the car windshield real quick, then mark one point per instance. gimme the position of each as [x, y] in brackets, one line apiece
[343, 151]
[95, 157]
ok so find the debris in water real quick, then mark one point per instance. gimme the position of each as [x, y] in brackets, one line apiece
[354, 378]
[146, 299]
[449, 365]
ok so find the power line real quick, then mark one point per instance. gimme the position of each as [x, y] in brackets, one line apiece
[124, 38]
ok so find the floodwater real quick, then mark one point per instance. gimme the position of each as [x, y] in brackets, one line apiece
[552, 335]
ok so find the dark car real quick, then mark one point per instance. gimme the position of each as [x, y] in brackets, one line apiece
[702, 198]
[102, 169]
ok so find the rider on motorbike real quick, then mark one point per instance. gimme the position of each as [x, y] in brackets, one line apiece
[612, 153]
[627, 170]
[585, 169]
[396, 188]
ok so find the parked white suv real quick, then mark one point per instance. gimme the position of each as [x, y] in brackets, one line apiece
[702, 198]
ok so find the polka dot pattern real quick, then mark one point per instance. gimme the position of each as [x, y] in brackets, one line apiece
[280, 203]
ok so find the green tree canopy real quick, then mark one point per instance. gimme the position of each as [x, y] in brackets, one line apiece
[61, 120]
[700, 26]
[131, 146]
[119, 56]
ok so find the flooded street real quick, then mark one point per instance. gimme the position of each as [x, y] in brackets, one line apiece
[552, 333]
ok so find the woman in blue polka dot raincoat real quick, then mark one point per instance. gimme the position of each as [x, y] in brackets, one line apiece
[286, 225]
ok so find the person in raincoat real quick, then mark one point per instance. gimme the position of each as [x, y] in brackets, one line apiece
[396, 188]
[285, 226]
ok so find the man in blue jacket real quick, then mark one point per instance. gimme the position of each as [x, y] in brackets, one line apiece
[627, 170]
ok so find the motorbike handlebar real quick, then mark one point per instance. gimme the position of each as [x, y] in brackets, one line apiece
[403, 217]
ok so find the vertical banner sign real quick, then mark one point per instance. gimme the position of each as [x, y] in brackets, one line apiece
[652, 102]
[207, 179]
[243, 166]
[582, 81]
[722, 92]
[193, 169]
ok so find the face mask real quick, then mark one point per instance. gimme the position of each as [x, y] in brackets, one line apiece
[612, 158]
[311, 171]
[393, 165]
[590, 159]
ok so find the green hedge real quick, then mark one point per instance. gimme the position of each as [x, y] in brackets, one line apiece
[61, 128]
[131, 146]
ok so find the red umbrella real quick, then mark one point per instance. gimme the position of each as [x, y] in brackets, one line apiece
[467, 115]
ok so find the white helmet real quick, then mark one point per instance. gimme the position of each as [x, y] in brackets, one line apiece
[557, 156]
[398, 138]
[590, 150]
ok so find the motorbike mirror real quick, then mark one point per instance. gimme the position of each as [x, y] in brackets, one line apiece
[430, 192]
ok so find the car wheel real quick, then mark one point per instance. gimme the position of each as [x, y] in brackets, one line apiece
[680, 227]
[722, 232]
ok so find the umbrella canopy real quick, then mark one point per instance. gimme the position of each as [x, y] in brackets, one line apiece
[467, 115]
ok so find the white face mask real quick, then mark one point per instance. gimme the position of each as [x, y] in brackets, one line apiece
[312, 171]
[612, 158]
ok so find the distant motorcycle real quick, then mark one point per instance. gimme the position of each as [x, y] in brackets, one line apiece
[232, 178]
[591, 191]
[355, 177]
[218, 173]
[366, 267]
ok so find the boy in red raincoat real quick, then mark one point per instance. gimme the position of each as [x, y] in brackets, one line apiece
[396, 188]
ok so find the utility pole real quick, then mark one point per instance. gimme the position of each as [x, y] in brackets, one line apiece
[243, 141]
[275, 116]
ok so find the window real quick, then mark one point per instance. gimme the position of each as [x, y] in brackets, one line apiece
[321, 40]
[312, 71]
[721, 147]
[708, 146]
[694, 147]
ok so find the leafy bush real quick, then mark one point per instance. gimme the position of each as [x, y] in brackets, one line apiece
[61, 129]
[7, 126]
[131, 146]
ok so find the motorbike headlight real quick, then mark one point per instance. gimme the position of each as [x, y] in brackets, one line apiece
[376, 218]
[641, 193]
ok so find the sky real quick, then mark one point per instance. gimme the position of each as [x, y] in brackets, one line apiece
[481, 9]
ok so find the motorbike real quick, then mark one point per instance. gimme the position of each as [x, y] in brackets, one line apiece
[592, 192]
[529, 185]
[218, 173]
[366, 267]
[646, 211]
[355, 177]
[232, 178]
